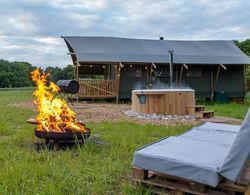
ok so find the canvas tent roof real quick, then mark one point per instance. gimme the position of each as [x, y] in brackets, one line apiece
[112, 49]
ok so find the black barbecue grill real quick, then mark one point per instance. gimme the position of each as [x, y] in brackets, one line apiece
[68, 88]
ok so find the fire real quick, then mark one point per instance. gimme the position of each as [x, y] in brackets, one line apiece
[54, 113]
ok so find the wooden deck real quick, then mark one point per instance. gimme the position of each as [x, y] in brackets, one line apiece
[98, 89]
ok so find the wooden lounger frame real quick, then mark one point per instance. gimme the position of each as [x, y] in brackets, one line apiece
[166, 184]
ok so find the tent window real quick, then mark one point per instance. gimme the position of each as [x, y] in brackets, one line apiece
[194, 72]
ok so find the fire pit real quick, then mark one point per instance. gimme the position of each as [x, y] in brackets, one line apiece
[62, 136]
[163, 101]
[54, 140]
[56, 122]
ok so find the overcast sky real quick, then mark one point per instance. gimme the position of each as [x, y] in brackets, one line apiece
[30, 30]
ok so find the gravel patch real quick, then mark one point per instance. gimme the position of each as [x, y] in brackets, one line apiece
[161, 116]
[97, 112]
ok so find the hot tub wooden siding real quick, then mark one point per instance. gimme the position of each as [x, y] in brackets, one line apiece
[172, 101]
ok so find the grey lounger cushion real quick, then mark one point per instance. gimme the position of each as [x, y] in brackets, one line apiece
[239, 152]
[196, 155]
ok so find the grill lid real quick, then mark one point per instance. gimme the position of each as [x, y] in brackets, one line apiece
[68, 86]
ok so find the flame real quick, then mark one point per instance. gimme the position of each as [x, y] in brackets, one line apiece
[54, 113]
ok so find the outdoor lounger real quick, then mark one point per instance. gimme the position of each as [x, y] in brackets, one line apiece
[205, 154]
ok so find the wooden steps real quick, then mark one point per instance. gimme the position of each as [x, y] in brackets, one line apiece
[205, 114]
[165, 184]
[199, 108]
[237, 100]
[199, 111]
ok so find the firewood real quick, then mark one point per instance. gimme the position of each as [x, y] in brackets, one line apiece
[62, 126]
[32, 121]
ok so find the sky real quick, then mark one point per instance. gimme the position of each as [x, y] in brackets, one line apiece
[31, 30]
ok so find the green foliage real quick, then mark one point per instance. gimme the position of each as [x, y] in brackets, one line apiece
[18, 74]
[15, 74]
[57, 73]
[244, 46]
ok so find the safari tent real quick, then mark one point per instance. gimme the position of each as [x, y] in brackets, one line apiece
[111, 67]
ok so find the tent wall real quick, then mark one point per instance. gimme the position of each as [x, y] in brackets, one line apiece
[200, 83]
[131, 79]
[230, 81]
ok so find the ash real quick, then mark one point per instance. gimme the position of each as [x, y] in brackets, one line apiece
[161, 116]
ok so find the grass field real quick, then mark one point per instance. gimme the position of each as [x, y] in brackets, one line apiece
[92, 169]
[231, 110]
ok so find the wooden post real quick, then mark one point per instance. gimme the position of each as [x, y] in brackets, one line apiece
[247, 190]
[150, 76]
[176, 192]
[212, 85]
[146, 67]
[179, 82]
[117, 78]
[139, 174]
[77, 78]
[245, 80]
[176, 75]
[216, 78]
[198, 187]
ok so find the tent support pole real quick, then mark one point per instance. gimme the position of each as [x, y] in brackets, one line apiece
[176, 75]
[118, 77]
[150, 76]
[214, 82]
[217, 76]
[179, 82]
[77, 78]
[212, 85]
[245, 82]
[147, 73]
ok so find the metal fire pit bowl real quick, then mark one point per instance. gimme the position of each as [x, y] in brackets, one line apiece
[57, 140]
[63, 136]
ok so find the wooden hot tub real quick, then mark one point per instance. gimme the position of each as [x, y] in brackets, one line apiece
[163, 101]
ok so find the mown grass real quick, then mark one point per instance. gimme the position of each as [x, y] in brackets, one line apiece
[230, 110]
[91, 169]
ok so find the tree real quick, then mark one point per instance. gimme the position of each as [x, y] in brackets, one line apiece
[15, 74]
[57, 73]
[18, 74]
[244, 46]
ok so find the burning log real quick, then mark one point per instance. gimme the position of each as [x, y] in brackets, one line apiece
[32, 121]
[55, 120]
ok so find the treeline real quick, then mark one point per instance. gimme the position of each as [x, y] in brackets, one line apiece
[57, 73]
[244, 46]
[18, 74]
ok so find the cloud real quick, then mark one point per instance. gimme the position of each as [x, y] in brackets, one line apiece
[45, 51]
[30, 30]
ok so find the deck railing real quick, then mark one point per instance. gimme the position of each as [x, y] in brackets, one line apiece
[98, 88]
